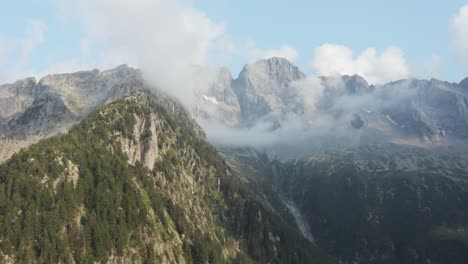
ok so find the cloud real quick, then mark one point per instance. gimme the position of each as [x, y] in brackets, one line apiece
[433, 67]
[460, 31]
[253, 53]
[309, 91]
[34, 36]
[332, 59]
[164, 38]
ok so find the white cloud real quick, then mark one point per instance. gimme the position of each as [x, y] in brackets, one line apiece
[433, 67]
[309, 90]
[164, 38]
[460, 31]
[253, 53]
[390, 65]
[34, 36]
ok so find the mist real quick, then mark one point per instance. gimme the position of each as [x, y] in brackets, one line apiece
[168, 40]
[180, 50]
[325, 121]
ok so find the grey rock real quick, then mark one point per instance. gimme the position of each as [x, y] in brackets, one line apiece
[264, 87]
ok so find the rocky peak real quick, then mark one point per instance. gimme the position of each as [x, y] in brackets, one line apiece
[20, 87]
[80, 79]
[224, 75]
[276, 69]
[121, 72]
[222, 86]
[264, 87]
[464, 84]
[355, 84]
[16, 97]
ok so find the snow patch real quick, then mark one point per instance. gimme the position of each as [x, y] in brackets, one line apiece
[210, 99]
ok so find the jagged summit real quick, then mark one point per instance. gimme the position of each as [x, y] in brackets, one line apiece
[274, 68]
[464, 84]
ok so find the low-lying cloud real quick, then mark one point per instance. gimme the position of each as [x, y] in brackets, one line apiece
[332, 59]
[164, 38]
[328, 108]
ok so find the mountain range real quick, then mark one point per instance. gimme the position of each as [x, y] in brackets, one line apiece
[102, 167]
[273, 90]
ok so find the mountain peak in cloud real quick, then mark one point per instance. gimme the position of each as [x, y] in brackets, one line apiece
[274, 68]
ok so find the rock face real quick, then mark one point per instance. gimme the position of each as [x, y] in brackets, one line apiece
[15, 98]
[264, 87]
[434, 110]
[30, 109]
[220, 102]
[261, 89]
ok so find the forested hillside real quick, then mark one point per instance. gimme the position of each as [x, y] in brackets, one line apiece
[136, 181]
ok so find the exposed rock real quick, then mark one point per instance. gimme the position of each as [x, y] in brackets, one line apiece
[30, 109]
[220, 102]
[263, 88]
[138, 148]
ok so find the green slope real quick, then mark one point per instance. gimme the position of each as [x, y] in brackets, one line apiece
[136, 181]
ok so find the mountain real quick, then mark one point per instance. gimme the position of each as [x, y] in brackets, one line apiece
[31, 110]
[136, 181]
[363, 173]
[261, 88]
[268, 91]
[372, 204]
[221, 103]
[434, 110]
[420, 111]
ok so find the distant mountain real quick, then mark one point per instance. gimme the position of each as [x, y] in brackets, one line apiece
[260, 89]
[406, 111]
[263, 88]
[31, 110]
[429, 112]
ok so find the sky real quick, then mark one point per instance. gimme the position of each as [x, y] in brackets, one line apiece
[380, 40]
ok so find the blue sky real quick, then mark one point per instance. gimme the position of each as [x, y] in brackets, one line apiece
[421, 30]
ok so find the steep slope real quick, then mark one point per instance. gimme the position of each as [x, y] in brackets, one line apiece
[136, 181]
[263, 88]
[373, 204]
